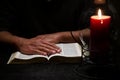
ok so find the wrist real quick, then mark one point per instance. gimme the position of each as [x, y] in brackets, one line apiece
[18, 41]
[75, 35]
[66, 36]
[61, 36]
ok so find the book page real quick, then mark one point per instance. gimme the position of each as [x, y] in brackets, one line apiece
[72, 50]
[69, 50]
[19, 55]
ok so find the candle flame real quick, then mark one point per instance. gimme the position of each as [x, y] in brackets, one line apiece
[99, 13]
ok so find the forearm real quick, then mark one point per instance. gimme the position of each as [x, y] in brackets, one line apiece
[75, 35]
[67, 37]
[9, 38]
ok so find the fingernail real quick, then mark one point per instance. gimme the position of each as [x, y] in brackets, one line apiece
[45, 54]
[59, 50]
[53, 51]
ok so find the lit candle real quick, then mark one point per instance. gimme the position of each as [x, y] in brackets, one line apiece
[99, 25]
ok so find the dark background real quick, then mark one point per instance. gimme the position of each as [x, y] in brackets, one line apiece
[63, 71]
[116, 3]
[116, 37]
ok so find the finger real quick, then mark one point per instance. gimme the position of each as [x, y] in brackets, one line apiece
[51, 46]
[50, 49]
[41, 52]
[47, 50]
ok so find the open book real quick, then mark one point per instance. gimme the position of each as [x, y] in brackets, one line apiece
[71, 53]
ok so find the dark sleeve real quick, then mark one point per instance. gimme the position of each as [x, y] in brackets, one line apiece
[7, 15]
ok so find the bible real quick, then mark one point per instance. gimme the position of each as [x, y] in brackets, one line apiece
[71, 53]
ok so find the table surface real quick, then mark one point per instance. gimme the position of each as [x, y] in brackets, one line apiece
[51, 71]
[56, 72]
